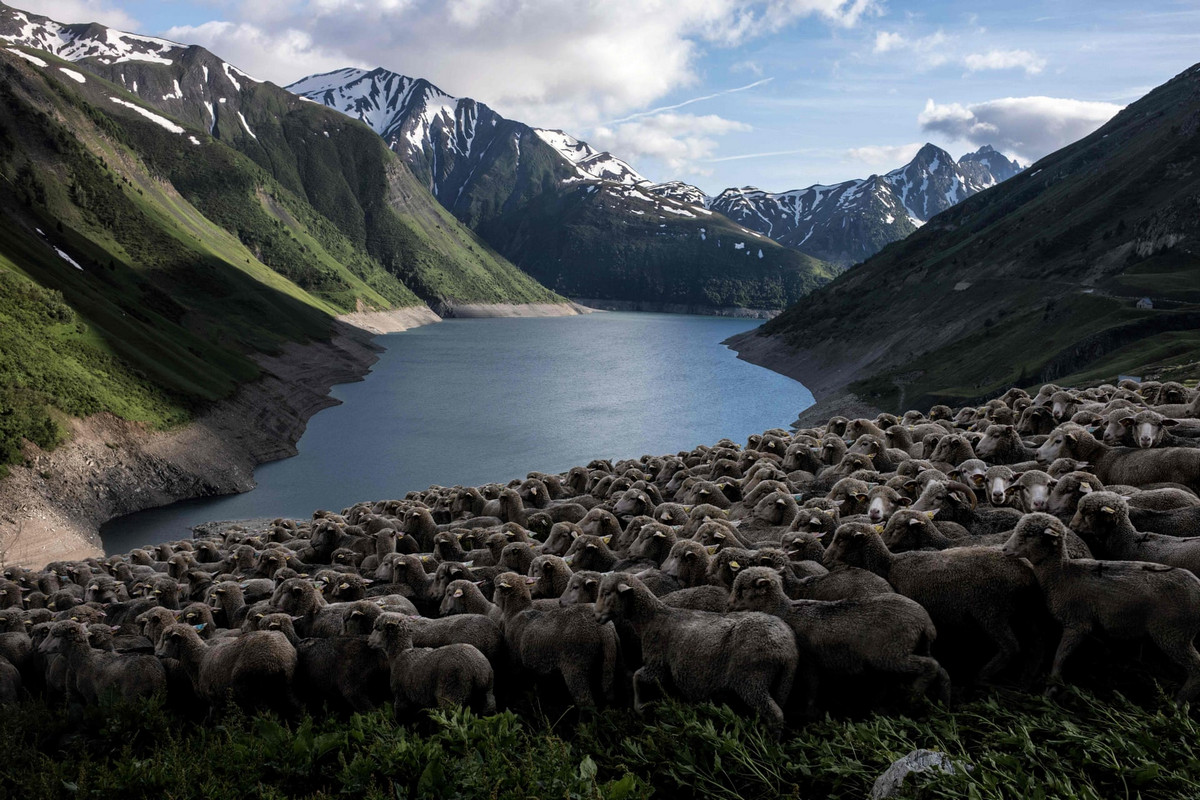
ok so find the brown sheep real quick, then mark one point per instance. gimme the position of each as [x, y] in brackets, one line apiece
[885, 633]
[973, 587]
[1102, 519]
[567, 640]
[1126, 599]
[703, 655]
[428, 677]
[92, 674]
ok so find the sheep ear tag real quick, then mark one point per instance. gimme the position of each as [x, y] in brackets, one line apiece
[931, 514]
[879, 529]
[712, 549]
[1108, 509]
[201, 626]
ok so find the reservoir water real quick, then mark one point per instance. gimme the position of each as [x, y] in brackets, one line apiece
[479, 400]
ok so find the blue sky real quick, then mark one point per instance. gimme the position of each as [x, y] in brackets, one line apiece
[778, 94]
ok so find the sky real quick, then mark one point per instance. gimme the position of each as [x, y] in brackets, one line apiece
[779, 94]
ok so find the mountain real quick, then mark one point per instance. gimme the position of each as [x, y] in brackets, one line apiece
[579, 220]
[167, 220]
[1036, 279]
[848, 222]
[338, 168]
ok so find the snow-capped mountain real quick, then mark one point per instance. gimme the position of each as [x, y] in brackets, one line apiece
[185, 81]
[848, 222]
[448, 139]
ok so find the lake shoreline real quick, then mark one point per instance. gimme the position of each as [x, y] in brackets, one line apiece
[826, 379]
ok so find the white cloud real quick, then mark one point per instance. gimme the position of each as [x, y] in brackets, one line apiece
[81, 11]
[677, 140]
[1032, 63]
[547, 62]
[885, 41]
[928, 51]
[1029, 127]
[265, 55]
[885, 156]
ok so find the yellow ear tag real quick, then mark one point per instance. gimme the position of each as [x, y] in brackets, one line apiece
[879, 529]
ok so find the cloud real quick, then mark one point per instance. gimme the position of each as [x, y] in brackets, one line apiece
[547, 62]
[929, 51]
[82, 11]
[677, 140]
[1029, 127]
[1032, 63]
[889, 156]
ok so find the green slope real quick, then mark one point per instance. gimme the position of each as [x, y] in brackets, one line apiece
[167, 305]
[341, 168]
[1036, 279]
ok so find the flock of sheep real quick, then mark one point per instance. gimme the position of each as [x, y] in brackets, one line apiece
[866, 558]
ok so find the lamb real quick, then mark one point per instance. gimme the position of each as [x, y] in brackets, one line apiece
[750, 655]
[425, 677]
[93, 674]
[1126, 599]
[1123, 465]
[1102, 519]
[567, 640]
[464, 597]
[253, 669]
[552, 575]
[961, 586]
[885, 633]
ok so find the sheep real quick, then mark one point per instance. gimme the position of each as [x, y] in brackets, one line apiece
[567, 640]
[552, 574]
[1123, 465]
[93, 674]
[962, 586]
[1102, 519]
[751, 655]
[429, 677]
[253, 669]
[464, 597]
[885, 633]
[1126, 599]
[590, 553]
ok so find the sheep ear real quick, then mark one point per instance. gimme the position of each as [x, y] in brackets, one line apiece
[1070, 437]
[719, 535]
[905, 501]
[458, 592]
[624, 588]
[931, 514]
[606, 539]
[1126, 421]
[860, 497]
[711, 549]
[914, 522]
[574, 534]
[1085, 488]
[480, 584]
[590, 582]
[1169, 423]
[1050, 533]
[764, 582]
[858, 535]
[1108, 510]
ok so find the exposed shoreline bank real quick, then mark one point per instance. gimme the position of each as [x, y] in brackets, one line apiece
[826, 379]
[677, 308]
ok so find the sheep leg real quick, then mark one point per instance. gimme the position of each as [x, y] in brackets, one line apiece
[579, 683]
[755, 693]
[929, 674]
[1071, 638]
[1183, 653]
[646, 679]
[1007, 646]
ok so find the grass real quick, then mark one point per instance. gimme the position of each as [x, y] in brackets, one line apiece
[1017, 745]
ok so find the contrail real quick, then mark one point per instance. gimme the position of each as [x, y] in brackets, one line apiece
[660, 109]
[755, 155]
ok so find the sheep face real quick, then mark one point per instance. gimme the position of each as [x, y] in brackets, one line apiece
[1039, 538]
[614, 598]
[909, 530]
[1062, 443]
[756, 589]
[583, 587]
[1099, 515]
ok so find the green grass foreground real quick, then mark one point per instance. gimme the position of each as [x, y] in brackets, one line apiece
[1079, 746]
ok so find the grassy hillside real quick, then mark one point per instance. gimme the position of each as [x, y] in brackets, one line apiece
[1036, 279]
[166, 304]
[340, 169]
